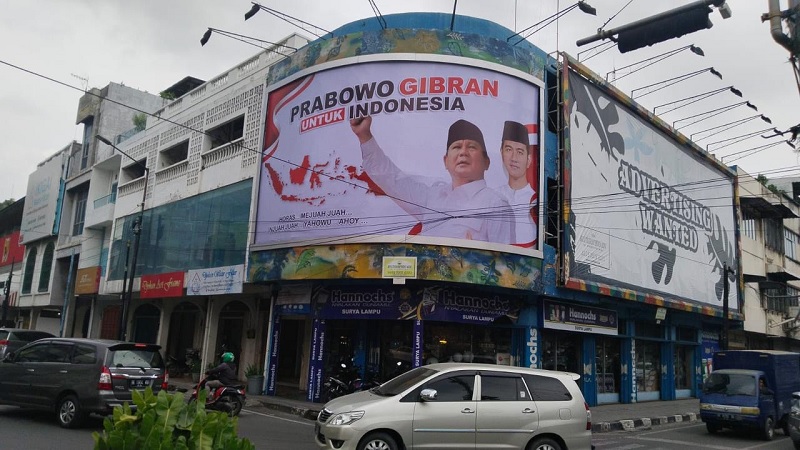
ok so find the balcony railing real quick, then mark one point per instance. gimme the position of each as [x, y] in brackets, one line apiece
[172, 172]
[222, 153]
[108, 199]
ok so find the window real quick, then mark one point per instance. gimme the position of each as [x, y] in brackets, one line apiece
[749, 228]
[134, 171]
[174, 154]
[27, 278]
[81, 196]
[84, 354]
[502, 388]
[88, 125]
[227, 132]
[547, 389]
[773, 234]
[780, 298]
[35, 353]
[47, 265]
[790, 244]
[457, 388]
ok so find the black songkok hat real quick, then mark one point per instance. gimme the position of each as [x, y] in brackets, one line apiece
[461, 129]
[515, 131]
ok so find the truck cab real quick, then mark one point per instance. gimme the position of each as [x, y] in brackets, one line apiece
[750, 389]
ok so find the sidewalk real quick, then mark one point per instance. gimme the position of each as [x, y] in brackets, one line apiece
[605, 418]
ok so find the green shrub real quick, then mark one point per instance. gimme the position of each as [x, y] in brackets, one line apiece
[167, 422]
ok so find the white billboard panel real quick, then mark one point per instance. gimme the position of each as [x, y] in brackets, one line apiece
[39, 217]
[646, 213]
[381, 151]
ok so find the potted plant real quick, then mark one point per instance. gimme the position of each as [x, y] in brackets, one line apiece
[194, 368]
[255, 379]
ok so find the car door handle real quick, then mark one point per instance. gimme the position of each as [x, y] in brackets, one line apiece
[29, 370]
[468, 411]
[528, 411]
[62, 371]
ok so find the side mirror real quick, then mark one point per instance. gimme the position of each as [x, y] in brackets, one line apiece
[428, 395]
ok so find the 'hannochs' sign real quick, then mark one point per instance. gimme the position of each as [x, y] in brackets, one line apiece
[87, 281]
[162, 285]
[584, 319]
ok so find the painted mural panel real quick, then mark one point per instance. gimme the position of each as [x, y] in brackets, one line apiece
[649, 214]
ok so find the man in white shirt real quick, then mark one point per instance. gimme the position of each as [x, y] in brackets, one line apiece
[465, 208]
[515, 149]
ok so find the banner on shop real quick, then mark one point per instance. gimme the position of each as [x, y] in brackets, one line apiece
[423, 304]
[316, 367]
[216, 280]
[560, 316]
[162, 285]
[272, 372]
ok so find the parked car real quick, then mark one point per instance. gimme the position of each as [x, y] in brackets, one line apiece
[11, 339]
[460, 405]
[75, 377]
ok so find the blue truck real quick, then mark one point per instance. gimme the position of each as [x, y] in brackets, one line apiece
[750, 389]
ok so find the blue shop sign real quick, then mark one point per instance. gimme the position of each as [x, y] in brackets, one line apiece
[585, 319]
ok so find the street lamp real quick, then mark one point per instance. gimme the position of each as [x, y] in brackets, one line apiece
[675, 80]
[697, 98]
[654, 59]
[137, 231]
[285, 17]
[241, 38]
[712, 113]
[729, 125]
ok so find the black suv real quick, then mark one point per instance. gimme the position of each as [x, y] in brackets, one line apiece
[74, 377]
[11, 339]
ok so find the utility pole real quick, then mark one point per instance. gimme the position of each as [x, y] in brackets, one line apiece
[725, 322]
[7, 293]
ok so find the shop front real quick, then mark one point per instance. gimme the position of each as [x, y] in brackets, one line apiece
[376, 331]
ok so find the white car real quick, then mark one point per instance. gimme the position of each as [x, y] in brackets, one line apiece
[464, 406]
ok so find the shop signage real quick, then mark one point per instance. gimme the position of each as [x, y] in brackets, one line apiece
[272, 373]
[162, 285]
[533, 348]
[317, 358]
[294, 300]
[560, 316]
[425, 304]
[399, 267]
[416, 359]
[87, 280]
[216, 280]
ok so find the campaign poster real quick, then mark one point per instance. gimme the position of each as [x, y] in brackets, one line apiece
[647, 212]
[409, 151]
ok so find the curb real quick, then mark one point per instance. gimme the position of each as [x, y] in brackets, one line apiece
[642, 423]
[305, 413]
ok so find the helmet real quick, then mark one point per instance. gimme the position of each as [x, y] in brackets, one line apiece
[227, 357]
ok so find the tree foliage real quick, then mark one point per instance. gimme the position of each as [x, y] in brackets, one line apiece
[6, 203]
[166, 422]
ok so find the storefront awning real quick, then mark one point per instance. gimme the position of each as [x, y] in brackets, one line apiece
[760, 208]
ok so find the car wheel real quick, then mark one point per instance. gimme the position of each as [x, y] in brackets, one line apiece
[69, 411]
[378, 441]
[544, 444]
[769, 429]
[713, 428]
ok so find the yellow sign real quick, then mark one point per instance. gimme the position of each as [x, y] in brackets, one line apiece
[399, 267]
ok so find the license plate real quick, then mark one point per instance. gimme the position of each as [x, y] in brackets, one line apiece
[139, 383]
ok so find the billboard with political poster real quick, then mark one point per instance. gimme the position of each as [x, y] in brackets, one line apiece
[649, 216]
[430, 152]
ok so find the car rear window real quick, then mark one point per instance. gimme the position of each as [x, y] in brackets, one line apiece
[30, 336]
[136, 357]
[547, 389]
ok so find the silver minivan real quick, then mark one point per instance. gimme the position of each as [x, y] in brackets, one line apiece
[464, 406]
[74, 377]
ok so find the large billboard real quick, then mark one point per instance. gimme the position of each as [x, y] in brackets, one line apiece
[40, 216]
[645, 212]
[402, 151]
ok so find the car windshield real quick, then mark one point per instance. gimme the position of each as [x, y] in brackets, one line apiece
[142, 358]
[399, 384]
[730, 384]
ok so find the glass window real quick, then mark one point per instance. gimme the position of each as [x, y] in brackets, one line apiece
[749, 228]
[136, 358]
[649, 329]
[457, 388]
[34, 353]
[773, 234]
[648, 366]
[561, 351]
[88, 137]
[84, 354]
[790, 246]
[466, 343]
[502, 388]
[81, 196]
[30, 264]
[207, 230]
[607, 365]
[547, 389]
[47, 265]
[686, 334]
[683, 364]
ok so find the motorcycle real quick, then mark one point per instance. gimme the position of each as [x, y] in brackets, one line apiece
[346, 381]
[227, 399]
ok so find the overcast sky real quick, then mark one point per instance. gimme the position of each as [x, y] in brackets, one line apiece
[151, 44]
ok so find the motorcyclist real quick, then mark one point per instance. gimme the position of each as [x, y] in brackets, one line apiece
[224, 374]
